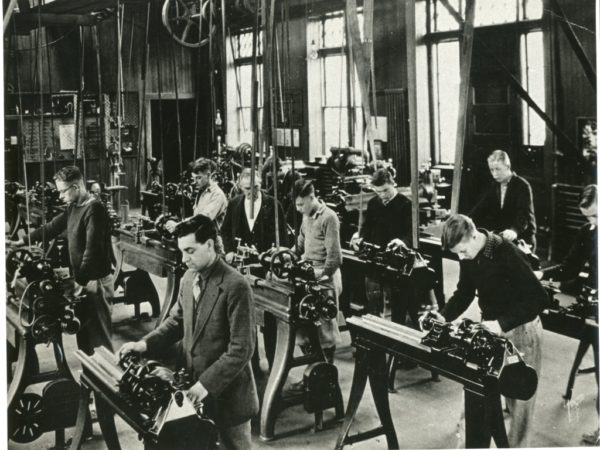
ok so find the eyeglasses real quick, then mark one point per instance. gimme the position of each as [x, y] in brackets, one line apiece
[66, 189]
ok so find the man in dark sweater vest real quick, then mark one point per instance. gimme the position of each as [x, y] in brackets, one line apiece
[254, 228]
[87, 224]
[388, 223]
[510, 298]
[506, 207]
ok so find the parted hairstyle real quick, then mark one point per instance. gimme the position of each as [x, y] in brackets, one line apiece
[200, 226]
[500, 156]
[589, 196]
[381, 177]
[69, 174]
[455, 229]
[304, 188]
[204, 165]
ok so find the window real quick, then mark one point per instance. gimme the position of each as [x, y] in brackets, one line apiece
[239, 87]
[532, 79]
[338, 111]
[442, 38]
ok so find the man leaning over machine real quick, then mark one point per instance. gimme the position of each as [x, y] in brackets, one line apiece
[211, 201]
[510, 298]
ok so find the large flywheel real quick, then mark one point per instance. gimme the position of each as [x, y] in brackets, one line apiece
[187, 21]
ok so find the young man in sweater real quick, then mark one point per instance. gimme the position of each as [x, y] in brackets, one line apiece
[388, 224]
[506, 207]
[319, 243]
[87, 224]
[510, 298]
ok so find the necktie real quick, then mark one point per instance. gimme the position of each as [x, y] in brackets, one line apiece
[197, 293]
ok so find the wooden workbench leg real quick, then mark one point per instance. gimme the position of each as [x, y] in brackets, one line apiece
[477, 431]
[378, 380]
[170, 298]
[284, 351]
[494, 415]
[359, 382]
[581, 350]
[83, 418]
[106, 420]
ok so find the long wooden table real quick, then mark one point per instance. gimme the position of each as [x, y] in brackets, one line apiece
[374, 338]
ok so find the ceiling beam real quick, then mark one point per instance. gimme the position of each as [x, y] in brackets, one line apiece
[48, 19]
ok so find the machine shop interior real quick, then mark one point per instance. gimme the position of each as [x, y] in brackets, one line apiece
[236, 224]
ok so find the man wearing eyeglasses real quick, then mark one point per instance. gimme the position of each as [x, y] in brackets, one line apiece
[388, 224]
[211, 200]
[87, 224]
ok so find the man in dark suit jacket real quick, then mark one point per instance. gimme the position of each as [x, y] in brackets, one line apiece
[214, 318]
[506, 207]
[258, 230]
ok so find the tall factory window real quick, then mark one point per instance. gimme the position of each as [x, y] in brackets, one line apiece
[441, 34]
[239, 87]
[335, 111]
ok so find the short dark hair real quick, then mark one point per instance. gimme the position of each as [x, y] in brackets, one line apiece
[589, 196]
[381, 177]
[304, 188]
[455, 229]
[200, 226]
[204, 165]
[69, 174]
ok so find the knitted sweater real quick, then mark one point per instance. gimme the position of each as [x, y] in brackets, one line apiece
[88, 238]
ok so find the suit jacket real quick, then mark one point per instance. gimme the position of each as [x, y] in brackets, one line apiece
[218, 342]
[517, 213]
[263, 233]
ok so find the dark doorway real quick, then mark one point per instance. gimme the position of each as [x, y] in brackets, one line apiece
[167, 128]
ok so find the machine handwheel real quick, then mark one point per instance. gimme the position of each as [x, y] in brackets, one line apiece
[280, 263]
[24, 419]
[182, 19]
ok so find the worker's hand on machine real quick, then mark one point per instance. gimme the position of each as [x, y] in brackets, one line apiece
[509, 235]
[355, 241]
[493, 326]
[163, 373]
[170, 226]
[17, 243]
[396, 244]
[431, 312]
[229, 257]
[138, 347]
[197, 393]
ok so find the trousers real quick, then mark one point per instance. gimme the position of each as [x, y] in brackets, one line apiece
[94, 313]
[527, 338]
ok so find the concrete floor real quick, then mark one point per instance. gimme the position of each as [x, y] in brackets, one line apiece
[425, 413]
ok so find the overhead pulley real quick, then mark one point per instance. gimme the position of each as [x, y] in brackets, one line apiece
[183, 19]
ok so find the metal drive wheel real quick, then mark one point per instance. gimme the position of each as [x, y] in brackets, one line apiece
[183, 19]
[24, 419]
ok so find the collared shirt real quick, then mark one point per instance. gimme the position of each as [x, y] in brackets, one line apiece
[393, 197]
[257, 204]
[503, 188]
[319, 240]
[502, 278]
[212, 202]
[201, 279]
